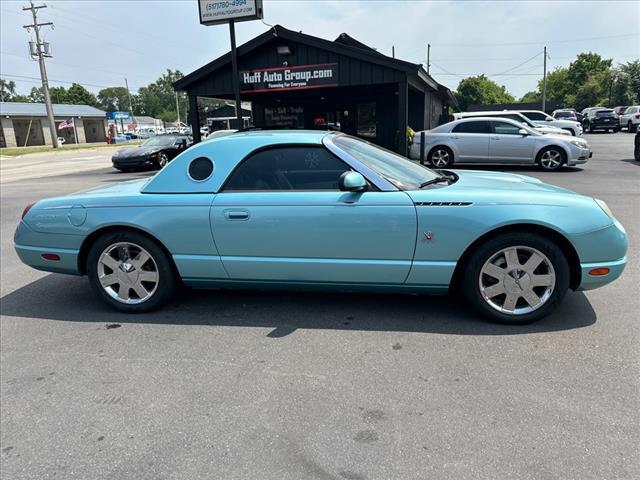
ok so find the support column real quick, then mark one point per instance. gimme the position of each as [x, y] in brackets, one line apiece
[403, 101]
[9, 132]
[194, 116]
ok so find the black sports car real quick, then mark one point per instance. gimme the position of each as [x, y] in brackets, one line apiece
[154, 152]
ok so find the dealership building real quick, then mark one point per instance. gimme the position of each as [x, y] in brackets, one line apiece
[26, 124]
[296, 80]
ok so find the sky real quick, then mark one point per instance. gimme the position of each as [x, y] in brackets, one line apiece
[99, 43]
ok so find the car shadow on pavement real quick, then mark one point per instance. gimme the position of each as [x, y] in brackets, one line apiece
[631, 161]
[63, 298]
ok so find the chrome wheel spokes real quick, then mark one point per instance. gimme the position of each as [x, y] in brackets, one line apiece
[517, 280]
[440, 158]
[128, 273]
[551, 159]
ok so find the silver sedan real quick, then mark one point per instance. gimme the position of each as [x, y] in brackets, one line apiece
[497, 140]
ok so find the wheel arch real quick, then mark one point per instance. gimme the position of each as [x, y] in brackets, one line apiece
[558, 238]
[563, 151]
[94, 235]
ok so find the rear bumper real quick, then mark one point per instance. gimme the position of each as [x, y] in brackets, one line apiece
[32, 256]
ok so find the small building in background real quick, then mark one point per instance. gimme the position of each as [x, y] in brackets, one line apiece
[26, 124]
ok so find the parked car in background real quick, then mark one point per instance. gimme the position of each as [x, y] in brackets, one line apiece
[154, 152]
[498, 140]
[327, 211]
[620, 110]
[220, 133]
[601, 119]
[565, 114]
[630, 118]
[517, 116]
[540, 118]
[146, 132]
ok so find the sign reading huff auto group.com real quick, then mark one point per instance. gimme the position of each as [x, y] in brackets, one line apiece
[289, 78]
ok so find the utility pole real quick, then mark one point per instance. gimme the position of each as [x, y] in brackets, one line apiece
[178, 108]
[126, 83]
[43, 71]
[544, 82]
[393, 51]
[428, 57]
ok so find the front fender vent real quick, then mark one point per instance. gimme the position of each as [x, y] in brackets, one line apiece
[443, 204]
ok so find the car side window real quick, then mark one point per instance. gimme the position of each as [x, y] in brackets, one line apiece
[504, 128]
[535, 116]
[288, 168]
[480, 126]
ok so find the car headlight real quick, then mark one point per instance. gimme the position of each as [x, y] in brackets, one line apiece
[578, 143]
[605, 208]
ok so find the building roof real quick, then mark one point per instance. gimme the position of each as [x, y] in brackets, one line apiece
[344, 45]
[22, 109]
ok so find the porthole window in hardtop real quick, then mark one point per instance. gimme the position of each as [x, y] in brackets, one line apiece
[288, 168]
[200, 169]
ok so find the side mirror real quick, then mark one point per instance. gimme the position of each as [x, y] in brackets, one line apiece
[352, 182]
[523, 132]
[549, 119]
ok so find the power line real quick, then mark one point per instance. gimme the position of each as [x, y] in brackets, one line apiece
[67, 82]
[542, 42]
[518, 66]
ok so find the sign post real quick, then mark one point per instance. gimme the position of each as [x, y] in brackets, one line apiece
[234, 74]
[215, 12]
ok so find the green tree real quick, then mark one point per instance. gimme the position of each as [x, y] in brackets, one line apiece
[159, 98]
[481, 90]
[625, 84]
[78, 95]
[114, 99]
[57, 94]
[531, 97]
[36, 95]
[8, 92]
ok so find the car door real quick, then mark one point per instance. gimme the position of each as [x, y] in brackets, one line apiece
[506, 144]
[471, 140]
[280, 217]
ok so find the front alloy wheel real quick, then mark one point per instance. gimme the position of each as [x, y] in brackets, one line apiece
[551, 159]
[163, 159]
[441, 158]
[516, 278]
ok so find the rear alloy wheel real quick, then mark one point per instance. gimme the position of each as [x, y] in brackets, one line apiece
[517, 278]
[551, 159]
[441, 157]
[130, 272]
[162, 160]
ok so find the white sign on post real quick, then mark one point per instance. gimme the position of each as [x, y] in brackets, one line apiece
[213, 12]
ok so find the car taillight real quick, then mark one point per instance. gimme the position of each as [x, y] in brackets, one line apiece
[637, 115]
[27, 208]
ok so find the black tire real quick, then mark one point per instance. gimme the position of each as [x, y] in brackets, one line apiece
[541, 163]
[166, 283]
[472, 271]
[439, 150]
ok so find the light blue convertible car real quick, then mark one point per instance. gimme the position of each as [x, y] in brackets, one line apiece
[318, 210]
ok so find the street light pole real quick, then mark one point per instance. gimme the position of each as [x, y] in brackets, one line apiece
[544, 83]
[43, 71]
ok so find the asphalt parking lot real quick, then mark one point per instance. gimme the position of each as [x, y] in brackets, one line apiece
[287, 385]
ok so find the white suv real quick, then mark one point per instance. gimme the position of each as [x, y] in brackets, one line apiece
[513, 115]
[630, 118]
[540, 118]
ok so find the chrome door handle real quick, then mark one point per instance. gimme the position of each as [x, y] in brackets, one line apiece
[236, 214]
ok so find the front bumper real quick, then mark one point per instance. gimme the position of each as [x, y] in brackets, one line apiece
[136, 162]
[579, 155]
[589, 282]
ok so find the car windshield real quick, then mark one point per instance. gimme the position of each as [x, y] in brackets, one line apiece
[565, 114]
[159, 141]
[402, 172]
